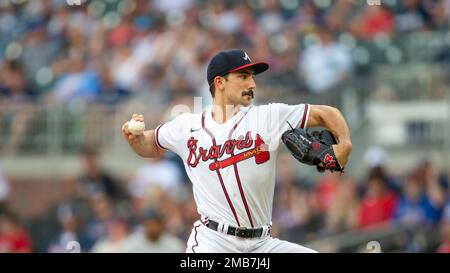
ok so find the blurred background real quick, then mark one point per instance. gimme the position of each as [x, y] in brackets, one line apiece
[72, 72]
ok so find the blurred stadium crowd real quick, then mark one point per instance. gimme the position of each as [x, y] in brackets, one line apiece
[155, 210]
[114, 53]
[109, 50]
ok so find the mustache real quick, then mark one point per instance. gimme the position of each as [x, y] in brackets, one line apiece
[248, 92]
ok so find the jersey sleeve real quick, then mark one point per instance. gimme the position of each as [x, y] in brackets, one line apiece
[168, 136]
[284, 114]
[275, 118]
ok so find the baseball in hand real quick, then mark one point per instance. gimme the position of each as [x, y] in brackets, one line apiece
[136, 127]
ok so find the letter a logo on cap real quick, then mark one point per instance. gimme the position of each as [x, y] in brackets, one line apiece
[246, 57]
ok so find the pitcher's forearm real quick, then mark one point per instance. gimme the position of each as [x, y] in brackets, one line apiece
[336, 123]
[146, 146]
[338, 126]
[332, 119]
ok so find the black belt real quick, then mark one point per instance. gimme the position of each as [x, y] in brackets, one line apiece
[239, 232]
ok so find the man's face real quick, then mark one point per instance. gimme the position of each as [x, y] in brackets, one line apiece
[153, 229]
[240, 87]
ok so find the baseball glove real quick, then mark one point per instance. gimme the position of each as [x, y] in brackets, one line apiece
[313, 148]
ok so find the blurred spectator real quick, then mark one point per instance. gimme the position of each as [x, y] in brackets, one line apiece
[382, 172]
[411, 16]
[188, 214]
[435, 188]
[326, 190]
[102, 212]
[115, 239]
[13, 84]
[38, 46]
[378, 204]
[79, 84]
[223, 17]
[294, 209]
[153, 237]
[157, 172]
[16, 105]
[373, 21]
[70, 222]
[110, 93]
[171, 202]
[342, 211]
[126, 67]
[414, 207]
[326, 64]
[439, 15]
[94, 180]
[271, 21]
[123, 33]
[13, 237]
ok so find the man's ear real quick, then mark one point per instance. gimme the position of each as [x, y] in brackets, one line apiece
[219, 81]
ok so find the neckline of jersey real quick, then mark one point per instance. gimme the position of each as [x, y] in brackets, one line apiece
[232, 120]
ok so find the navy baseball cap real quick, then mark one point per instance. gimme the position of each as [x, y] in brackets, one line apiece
[232, 60]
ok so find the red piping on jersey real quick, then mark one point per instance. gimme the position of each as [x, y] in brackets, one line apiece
[236, 173]
[204, 222]
[156, 137]
[305, 113]
[218, 172]
[195, 238]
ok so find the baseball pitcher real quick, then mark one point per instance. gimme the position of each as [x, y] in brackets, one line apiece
[230, 152]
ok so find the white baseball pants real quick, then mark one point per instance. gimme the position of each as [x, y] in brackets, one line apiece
[206, 240]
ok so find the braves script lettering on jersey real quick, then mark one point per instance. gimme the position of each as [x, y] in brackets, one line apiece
[232, 169]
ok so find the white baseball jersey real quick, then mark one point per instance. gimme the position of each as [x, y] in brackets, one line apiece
[232, 165]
